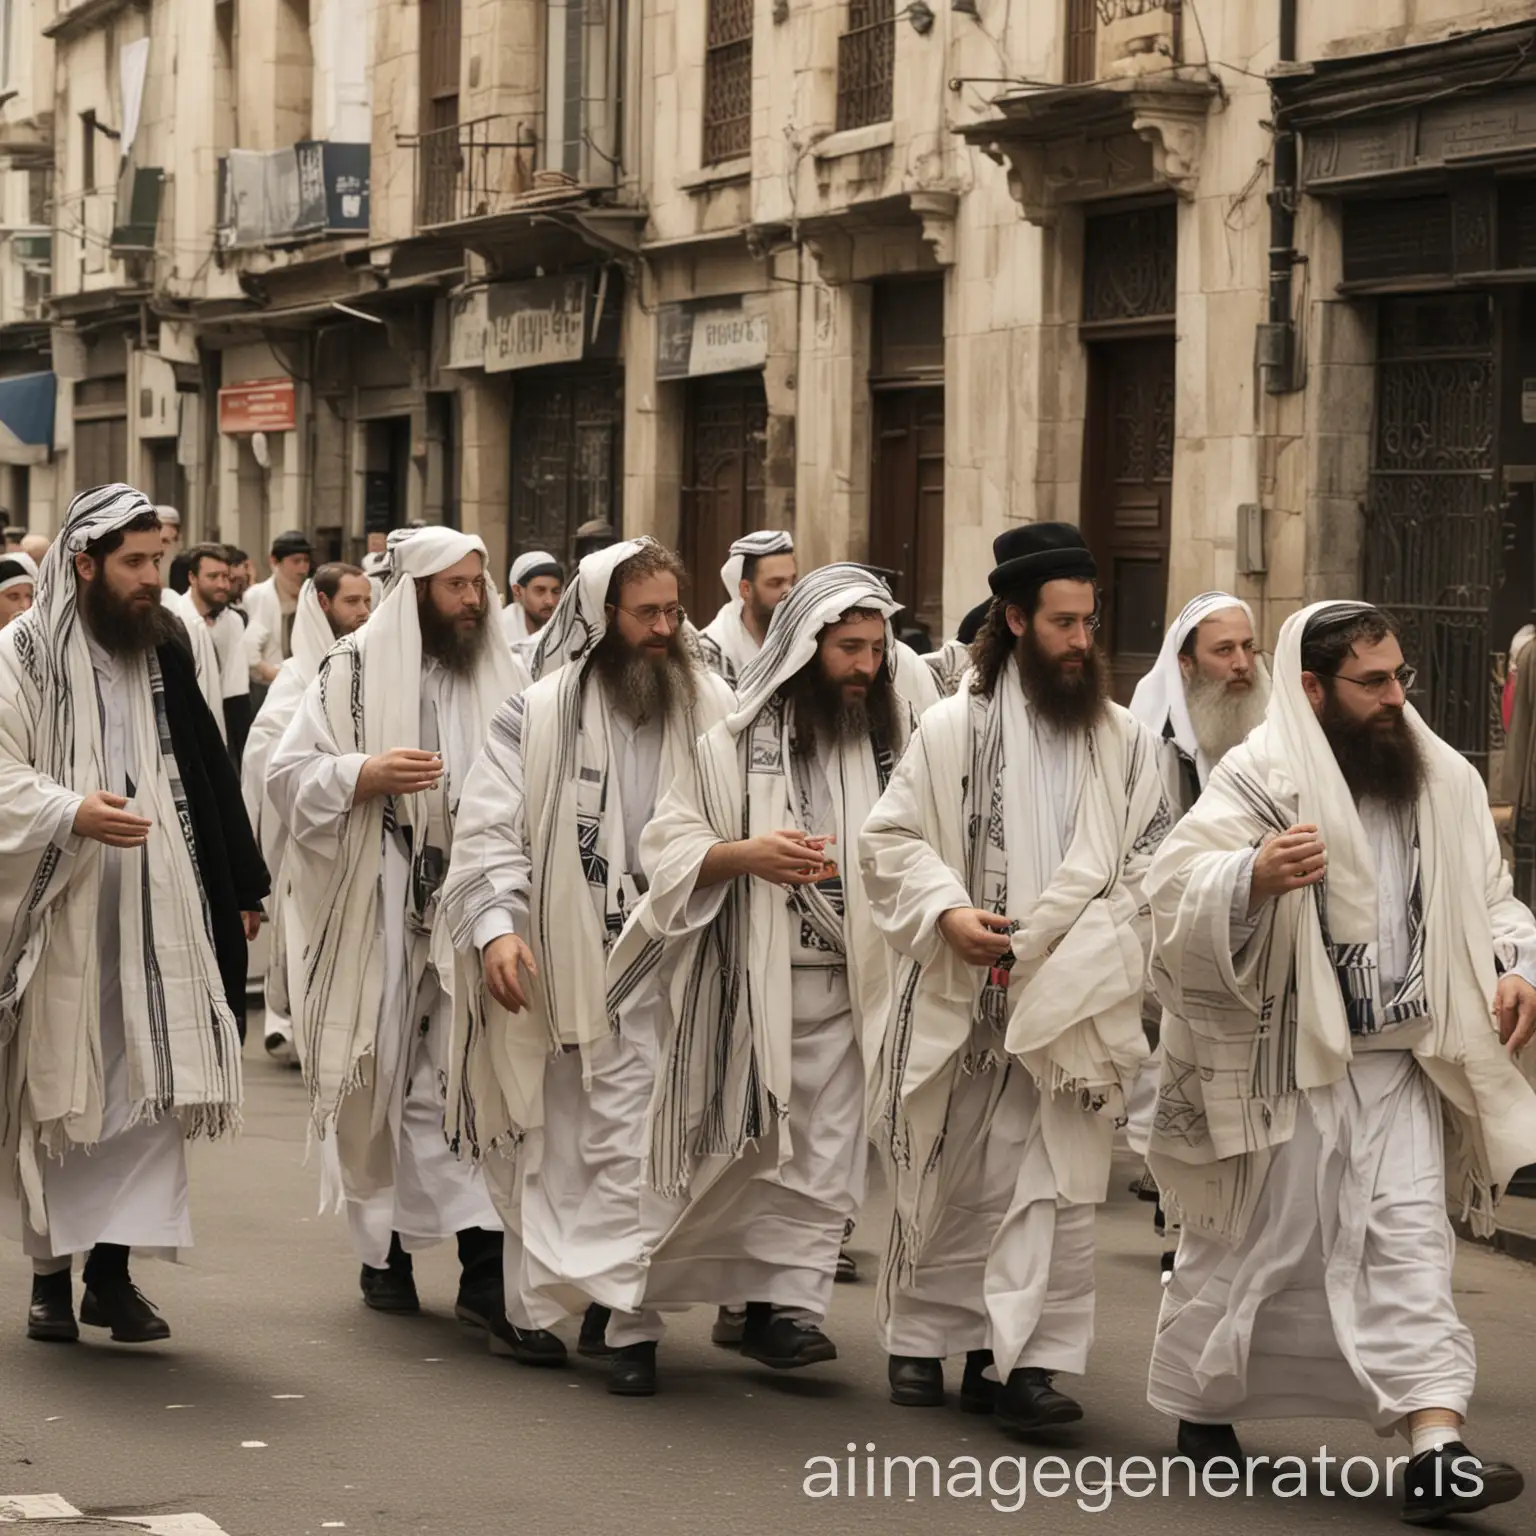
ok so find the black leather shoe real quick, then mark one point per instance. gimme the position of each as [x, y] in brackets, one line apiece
[780, 1342]
[632, 1370]
[528, 1346]
[978, 1392]
[1452, 1481]
[389, 1290]
[847, 1272]
[728, 1329]
[916, 1381]
[1029, 1402]
[481, 1307]
[115, 1302]
[51, 1318]
[593, 1339]
[1204, 1443]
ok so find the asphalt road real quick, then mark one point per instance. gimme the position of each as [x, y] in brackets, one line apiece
[281, 1407]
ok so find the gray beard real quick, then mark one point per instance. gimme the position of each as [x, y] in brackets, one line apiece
[1223, 719]
[641, 690]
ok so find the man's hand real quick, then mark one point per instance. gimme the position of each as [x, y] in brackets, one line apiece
[503, 958]
[405, 771]
[265, 672]
[786, 857]
[1514, 1011]
[101, 818]
[252, 921]
[979, 938]
[1287, 862]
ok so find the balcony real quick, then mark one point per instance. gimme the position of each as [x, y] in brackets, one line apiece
[287, 196]
[478, 169]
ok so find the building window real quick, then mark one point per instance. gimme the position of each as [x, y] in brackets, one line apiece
[866, 64]
[1082, 42]
[728, 81]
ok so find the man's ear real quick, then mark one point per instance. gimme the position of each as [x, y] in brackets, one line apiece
[1186, 666]
[1312, 686]
[1017, 622]
[85, 566]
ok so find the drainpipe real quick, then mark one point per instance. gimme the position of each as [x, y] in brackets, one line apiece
[1278, 342]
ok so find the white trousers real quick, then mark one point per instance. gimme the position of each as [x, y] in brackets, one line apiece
[1008, 1266]
[1337, 1303]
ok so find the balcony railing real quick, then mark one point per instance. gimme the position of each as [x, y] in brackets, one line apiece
[866, 64]
[474, 169]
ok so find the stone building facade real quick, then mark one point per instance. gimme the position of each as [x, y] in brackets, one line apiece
[1239, 285]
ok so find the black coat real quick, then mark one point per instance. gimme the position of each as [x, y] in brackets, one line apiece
[234, 877]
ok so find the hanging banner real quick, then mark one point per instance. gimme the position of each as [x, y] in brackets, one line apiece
[694, 340]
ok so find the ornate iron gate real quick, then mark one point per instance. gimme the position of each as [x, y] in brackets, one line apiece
[1432, 514]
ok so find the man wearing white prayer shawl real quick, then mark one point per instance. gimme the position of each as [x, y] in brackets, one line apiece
[332, 603]
[205, 606]
[952, 660]
[1004, 864]
[534, 585]
[758, 572]
[1206, 691]
[129, 883]
[1339, 956]
[18, 582]
[777, 984]
[367, 779]
[546, 868]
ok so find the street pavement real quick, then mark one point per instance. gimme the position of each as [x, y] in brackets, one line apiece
[282, 1407]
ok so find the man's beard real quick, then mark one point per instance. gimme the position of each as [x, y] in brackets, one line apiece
[214, 605]
[825, 709]
[1379, 757]
[1223, 716]
[1072, 701]
[123, 626]
[640, 686]
[446, 642]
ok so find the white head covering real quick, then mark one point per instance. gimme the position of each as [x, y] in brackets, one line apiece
[766, 541]
[530, 560]
[28, 571]
[580, 618]
[1160, 696]
[794, 633]
[312, 636]
[514, 620]
[168, 515]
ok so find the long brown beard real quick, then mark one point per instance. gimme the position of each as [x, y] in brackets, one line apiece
[1381, 759]
[125, 627]
[638, 685]
[445, 642]
[1069, 703]
[820, 708]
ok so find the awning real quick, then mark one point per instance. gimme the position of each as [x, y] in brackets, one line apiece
[26, 418]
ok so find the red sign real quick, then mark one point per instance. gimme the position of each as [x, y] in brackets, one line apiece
[258, 405]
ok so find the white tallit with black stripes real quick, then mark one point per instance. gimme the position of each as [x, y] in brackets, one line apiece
[1245, 1037]
[369, 690]
[723, 1081]
[725, 642]
[183, 1050]
[579, 896]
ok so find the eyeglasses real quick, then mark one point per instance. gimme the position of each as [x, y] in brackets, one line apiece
[651, 615]
[1378, 682]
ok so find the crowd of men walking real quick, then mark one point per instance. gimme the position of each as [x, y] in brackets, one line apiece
[609, 947]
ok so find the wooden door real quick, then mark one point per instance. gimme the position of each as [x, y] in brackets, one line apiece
[906, 516]
[440, 159]
[727, 431]
[1127, 485]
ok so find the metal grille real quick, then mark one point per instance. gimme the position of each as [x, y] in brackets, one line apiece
[728, 81]
[1082, 42]
[1432, 518]
[866, 64]
[471, 170]
[1130, 264]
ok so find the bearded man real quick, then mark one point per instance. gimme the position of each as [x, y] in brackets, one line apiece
[18, 582]
[758, 573]
[333, 603]
[206, 604]
[367, 779]
[546, 869]
[757, 1126]
[536, 581]
[1004, 864]
[1346, 977]
[1206, 691]
[129, 887]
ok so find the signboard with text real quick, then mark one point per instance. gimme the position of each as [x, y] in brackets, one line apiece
[694, 340]
[528, 325]
[259, 405]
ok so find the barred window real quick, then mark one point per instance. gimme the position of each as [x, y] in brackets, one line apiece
[728, 81]
[866, 63]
